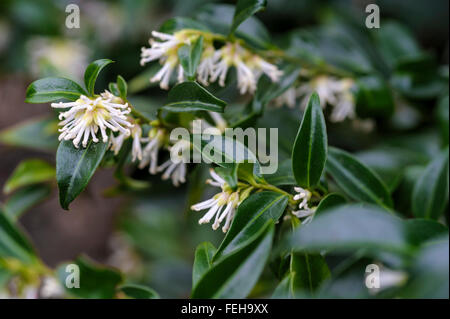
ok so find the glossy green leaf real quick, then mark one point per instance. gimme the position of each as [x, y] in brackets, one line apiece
[52, 89]
[75, 167]
[430, 194]
[283, 175]
[244, 10]
[217, 17]
[138, 292]
[267, 90]
[190, 96]
[203, 261]
[420, 231]
[357, 180]
[309, 154]
[122, 87]
[25, 198]
[92, 72]
[178, 23]
[307, 272]
[251, 215]
[96, 282]
[29, 172]
[189, 56]
[329, 201]
[43, 129]
[236, 274]
[13, 244]
[351, 227]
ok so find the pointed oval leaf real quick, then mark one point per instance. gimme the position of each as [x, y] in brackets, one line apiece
[309, 153]
[244, 10]
[122, 87]
[430, 194]
[357, 180]
[92, 72]
[251, 215]
[203, 261]
[138, 292]
[190, 96]
[351, 227]
[75, 167]
[52, 89]
[25, 198]
[235, 275]
[189, 56]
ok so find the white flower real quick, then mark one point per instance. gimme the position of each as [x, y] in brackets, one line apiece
[245, 77]
[136, 150]
[87, 115]
[222, 206]
[288, 97]
[175, 167]
[151, 150]
[160, 49]
[345, 105]
[166, 51]
[304, 211]
[223, 59]
[117, 142]
[326, 87]
[206, 66]
[260, 66]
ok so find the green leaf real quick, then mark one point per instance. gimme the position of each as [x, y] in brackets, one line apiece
[309, 154]
[307, 273]
[75, 167]
[190, 96]
[43, 130]
[420, 231]
[203, 261]
[52, 89]
[122, 87]
[329, 201]
[179, 23]
[236, 274]
[244, 10]
[189, 56]
[138, 292]
[353, 227]
[268, 90]
[357, 180]
[283, 175]
[96, 282]
[251, 215]
[25, 198]
[217, 18]
[29, 172]
[92, 72]
[13, 244]
[430, 194]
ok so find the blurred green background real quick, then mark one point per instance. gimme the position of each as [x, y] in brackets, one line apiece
[151, 235]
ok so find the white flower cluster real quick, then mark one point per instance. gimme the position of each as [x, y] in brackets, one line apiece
[221, 206]
[86, 116]
[145, 150]
[304, 195]
[214, 64]
[332, 91]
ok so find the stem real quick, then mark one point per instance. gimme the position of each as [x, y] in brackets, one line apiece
[274, 189]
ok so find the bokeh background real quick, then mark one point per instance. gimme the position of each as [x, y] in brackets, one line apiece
[149, 235]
